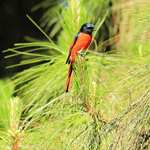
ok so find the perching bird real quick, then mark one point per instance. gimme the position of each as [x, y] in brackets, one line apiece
[80, 43]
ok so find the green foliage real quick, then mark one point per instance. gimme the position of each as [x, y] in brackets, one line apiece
[6, 92]
[10, 114]
[108, 106]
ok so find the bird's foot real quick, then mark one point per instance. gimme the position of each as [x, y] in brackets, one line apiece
[81, 54]
[86, 59]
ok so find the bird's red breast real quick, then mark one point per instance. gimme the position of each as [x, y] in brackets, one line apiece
[83, 42]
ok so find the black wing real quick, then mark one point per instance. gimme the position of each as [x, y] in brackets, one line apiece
[75, 40]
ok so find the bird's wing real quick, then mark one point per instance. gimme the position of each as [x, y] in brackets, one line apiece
[71, 47]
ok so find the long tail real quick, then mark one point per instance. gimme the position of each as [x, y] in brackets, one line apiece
[69, 79]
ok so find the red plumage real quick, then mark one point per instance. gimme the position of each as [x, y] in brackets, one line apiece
[83, 42]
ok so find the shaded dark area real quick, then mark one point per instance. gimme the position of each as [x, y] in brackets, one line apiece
[14, 26]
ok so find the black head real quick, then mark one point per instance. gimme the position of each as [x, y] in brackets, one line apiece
[87, 28]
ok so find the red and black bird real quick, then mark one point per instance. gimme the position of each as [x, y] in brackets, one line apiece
[80, 43]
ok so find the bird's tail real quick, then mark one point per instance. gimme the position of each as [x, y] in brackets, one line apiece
[69, 79]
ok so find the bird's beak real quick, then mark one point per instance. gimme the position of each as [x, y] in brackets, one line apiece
[94, 29]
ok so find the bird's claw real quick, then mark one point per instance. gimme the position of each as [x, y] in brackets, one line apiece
[86, 59]
[82, 54]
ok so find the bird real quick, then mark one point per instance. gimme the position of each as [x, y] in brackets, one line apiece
[81, 42]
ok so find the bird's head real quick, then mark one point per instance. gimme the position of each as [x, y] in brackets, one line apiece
[87, 28]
